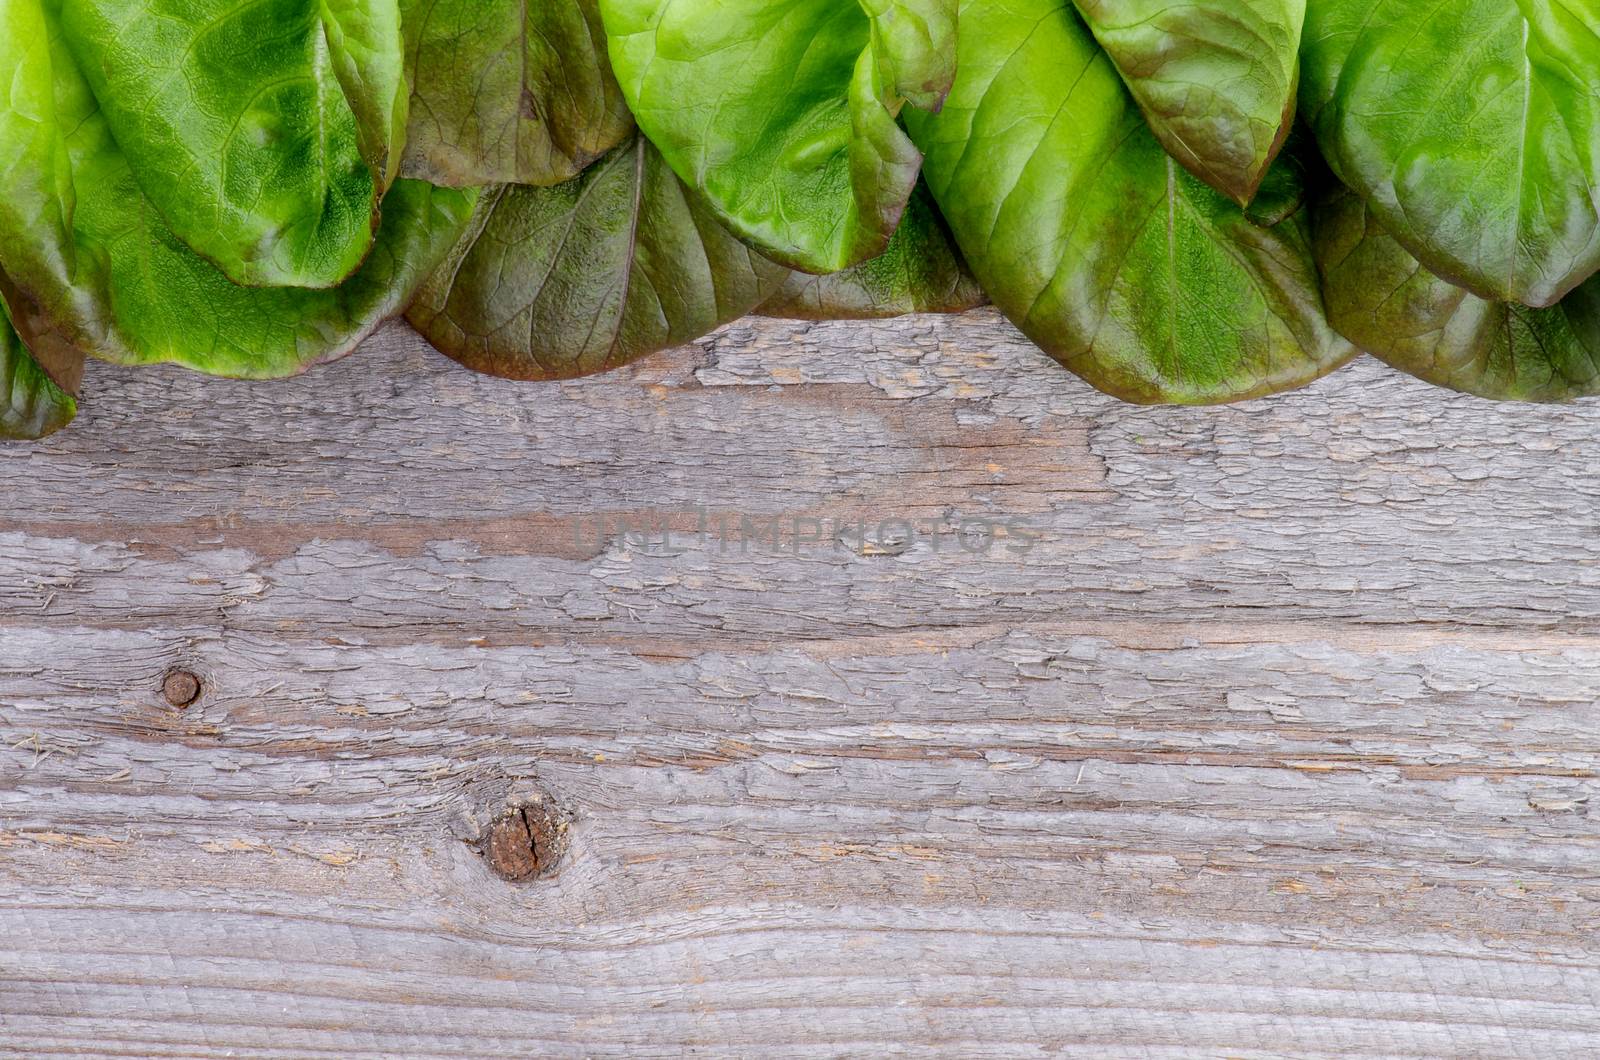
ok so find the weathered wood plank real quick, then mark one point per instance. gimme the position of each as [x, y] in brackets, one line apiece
[1265, 731]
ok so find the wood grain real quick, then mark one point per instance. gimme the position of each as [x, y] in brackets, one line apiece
[1261, 731]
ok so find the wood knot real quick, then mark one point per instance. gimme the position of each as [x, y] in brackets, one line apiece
[526, 839]
[181, 688]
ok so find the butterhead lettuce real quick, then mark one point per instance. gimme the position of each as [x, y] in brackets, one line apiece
[783, 114]
[1190, 202]
[509, 92]
[264, 134]
[1096, 242]
[105, 273]
[32, 404]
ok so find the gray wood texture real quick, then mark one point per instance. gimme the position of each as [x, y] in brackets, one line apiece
[1264, 731]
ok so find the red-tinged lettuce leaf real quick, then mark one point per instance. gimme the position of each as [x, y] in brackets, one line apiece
[95, 268]
[32, 405]
[1387, 303]
[508, 91]
[1216, 79]
[264, 133]
[782, 113]
[920, 272]
[1472, 128]
[1096, 243]
[552, 283]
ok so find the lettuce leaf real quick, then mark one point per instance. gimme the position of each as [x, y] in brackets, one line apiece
[1472, 128]
[102, 272]
[552, 283]
[509, 92]
[782, 113]
[1216, 79]
[1386, 302]
[263, 133]
[32, 405]
[1096, 243]
[920, 272]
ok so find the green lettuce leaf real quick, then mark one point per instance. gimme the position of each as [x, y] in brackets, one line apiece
[1216, 79]
[915, 45]
[1473, 128]
[31, 404]
[508, 91]
[1096, 243]
[101, 271]
[264, 133]
[1387, 303]
[37, 197]
[552, 283]
[367, 50]
[783, 112]
[920, 272]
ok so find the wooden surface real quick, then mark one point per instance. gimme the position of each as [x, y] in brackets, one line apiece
[1267, 731]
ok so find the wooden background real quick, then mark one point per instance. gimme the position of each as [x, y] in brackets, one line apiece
[1268, 731]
